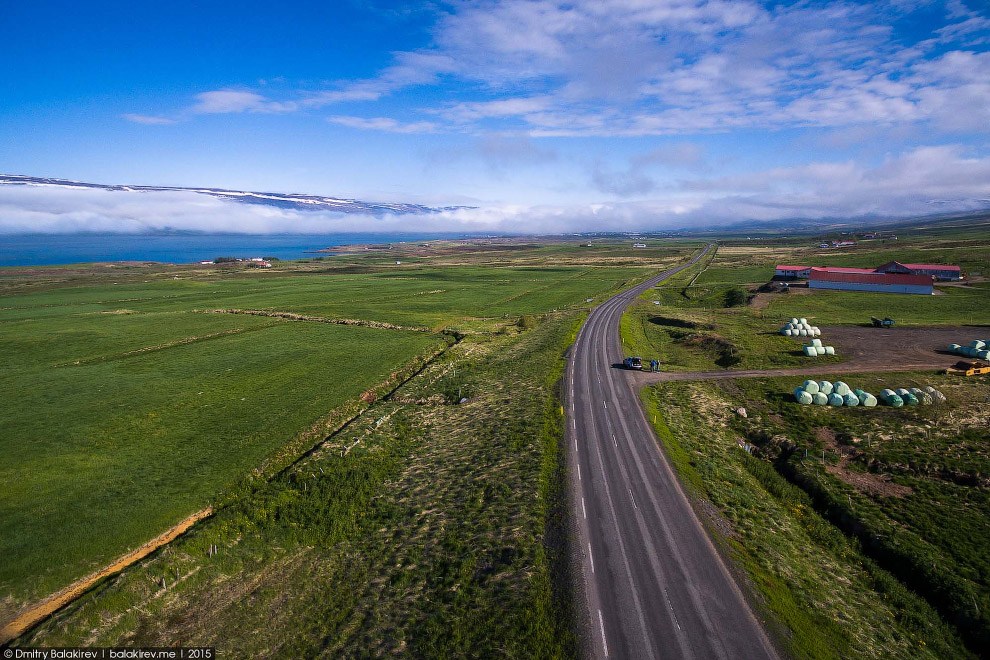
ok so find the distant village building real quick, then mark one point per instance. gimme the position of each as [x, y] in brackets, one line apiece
[639, 245]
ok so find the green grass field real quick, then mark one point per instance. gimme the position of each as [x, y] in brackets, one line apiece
[438, 534]
[128, 405]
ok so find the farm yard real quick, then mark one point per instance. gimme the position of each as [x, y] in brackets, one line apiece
[864, 529]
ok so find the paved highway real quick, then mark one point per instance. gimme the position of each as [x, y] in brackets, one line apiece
[654, 585]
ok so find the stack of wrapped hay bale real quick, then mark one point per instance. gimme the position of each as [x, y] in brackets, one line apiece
[912, 397]
[822, 392]
[978, 348]
[815, 349]
[800, 328]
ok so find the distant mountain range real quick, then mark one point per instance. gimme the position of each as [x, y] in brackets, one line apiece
[279, 200]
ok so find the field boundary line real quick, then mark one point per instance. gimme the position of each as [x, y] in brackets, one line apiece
[159, 347]
[292, 316]
[34, 614]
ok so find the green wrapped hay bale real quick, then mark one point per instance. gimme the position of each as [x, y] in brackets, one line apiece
[825, 386]
[902, 392]
[910, 400]
[819, 399]
[969, 351]
[840, 388]
[835, 399]
[859, 392]
[983, 354]
[810, 386]
[894, 401]
[850, 400]
[954, 348]
[977, 344]
[810, 351]
[802, 397]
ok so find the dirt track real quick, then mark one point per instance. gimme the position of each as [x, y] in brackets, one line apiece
[36, 613]
[865, 349]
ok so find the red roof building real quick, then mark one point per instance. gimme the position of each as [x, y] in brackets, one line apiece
[861, 279]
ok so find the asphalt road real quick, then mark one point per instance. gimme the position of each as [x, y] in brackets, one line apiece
[654, 585]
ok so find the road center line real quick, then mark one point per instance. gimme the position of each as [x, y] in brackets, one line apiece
[579, 473]
[591, 556]
[583, 510]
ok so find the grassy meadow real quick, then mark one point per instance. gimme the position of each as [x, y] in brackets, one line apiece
[133, 404]
[425, 528]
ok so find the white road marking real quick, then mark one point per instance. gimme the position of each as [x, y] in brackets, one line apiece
[591, 556]
[583, 510]
[601, 624]
[614, 441]
[604, 404]
[667, 596]
[632, 498]
[574, 425]
[579, 472]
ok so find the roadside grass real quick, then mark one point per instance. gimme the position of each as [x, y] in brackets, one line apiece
[909, 484]
[828, 599]
[425, 528]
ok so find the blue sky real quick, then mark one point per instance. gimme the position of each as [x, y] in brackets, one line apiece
[545, 115]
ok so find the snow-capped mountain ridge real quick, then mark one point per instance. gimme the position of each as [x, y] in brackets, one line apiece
[281, 200]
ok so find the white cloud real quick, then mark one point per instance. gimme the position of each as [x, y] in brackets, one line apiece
[148, 120]
[918, 181]
[386, 124]
[230, 101]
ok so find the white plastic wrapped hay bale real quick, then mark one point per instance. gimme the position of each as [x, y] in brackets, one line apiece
[868, 400]
[817, 343]
[818, 332]
[835, 399]
[819, 399]
[902, 392]
[825, 386]
[840, 388]
[810, 386]
[924, 397]
[787, 332]
[803, 321]
[810, 351]
[794, 322]
[850, 400]
[802, 397]
[936, 395]
[830, 350]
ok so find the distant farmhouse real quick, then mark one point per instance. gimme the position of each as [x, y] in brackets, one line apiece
[892, 277]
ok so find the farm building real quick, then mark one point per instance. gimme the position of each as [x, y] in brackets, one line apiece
[862, 279]
[938, 271]
[792, 271]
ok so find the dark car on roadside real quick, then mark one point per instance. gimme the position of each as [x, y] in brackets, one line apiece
[633, 363]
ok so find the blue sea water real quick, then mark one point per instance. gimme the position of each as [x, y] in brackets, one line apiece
[53, 249]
